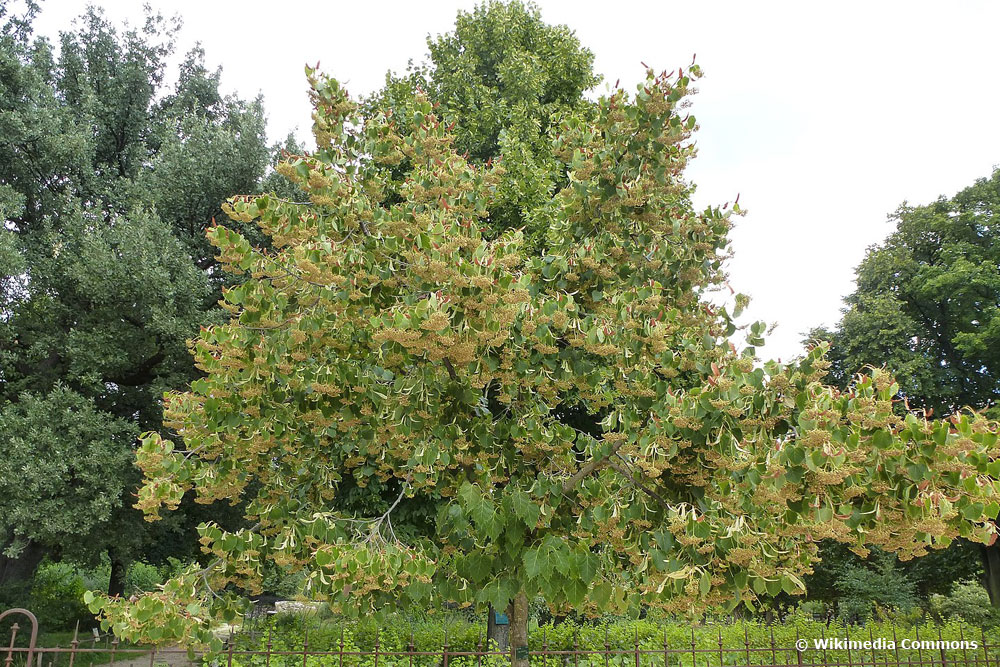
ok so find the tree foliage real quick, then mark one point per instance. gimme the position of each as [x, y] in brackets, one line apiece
[501, 79]
[926, 305]
[53, 474]
[390, 334]
[108, 180]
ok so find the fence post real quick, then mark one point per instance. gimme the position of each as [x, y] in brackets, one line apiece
[479, 649]
[73, 644]
[410, 647]
[305, 644]
[376, 645]
[444, 652]
[270, 644]
[944, 655]
[637, 646]
[694, 654]
[607, 647]
[722, 659]
[13, 633]
[798, 651]
[774, 655]
[10, 652]
[746, 642]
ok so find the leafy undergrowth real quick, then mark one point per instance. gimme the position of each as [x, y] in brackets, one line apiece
[741, 643]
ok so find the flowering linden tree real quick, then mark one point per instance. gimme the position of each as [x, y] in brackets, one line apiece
[575, 413]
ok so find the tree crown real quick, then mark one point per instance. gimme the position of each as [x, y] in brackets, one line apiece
[575, 413]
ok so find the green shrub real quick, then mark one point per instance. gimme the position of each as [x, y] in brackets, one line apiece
[56, 596]
[865, 591]
[142, 577]
[279, 582]
[139, 577]
[816, 609]
[969, 601]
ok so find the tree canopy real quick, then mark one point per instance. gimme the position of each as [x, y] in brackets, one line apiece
[108, 180]
[572, 407]
[927, 304]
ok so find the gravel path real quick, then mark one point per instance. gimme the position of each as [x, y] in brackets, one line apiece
[168, 656]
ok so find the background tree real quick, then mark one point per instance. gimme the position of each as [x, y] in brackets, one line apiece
[107, 182]
[388, 334]
[501, 78]
[927, 305]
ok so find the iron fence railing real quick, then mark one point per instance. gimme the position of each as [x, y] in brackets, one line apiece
[864, 650]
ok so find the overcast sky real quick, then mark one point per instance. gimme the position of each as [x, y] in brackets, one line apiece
[824, 117]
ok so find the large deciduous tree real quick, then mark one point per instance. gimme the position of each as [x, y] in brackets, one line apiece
[572, 407]
[927, 305]
[107, 182]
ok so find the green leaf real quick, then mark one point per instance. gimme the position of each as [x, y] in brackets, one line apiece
[478, 566]
[575, 591]
[973, 512]
[705, 584]
[536, 565]
[788, 585]
[588, 567]
[602, 594]
[525, 508]
[497, 592]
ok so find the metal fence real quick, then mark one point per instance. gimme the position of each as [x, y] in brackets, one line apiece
[866, 650]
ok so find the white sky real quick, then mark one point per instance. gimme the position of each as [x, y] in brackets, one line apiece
[823, 116]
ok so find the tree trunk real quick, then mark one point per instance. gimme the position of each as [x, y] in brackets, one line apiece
[991, 565]
[519, 631]
[17, 573]
[116, 582]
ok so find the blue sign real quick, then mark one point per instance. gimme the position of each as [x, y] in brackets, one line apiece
[500, 619]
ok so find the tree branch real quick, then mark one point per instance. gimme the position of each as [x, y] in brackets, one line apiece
[594, 465]
[639, 485]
